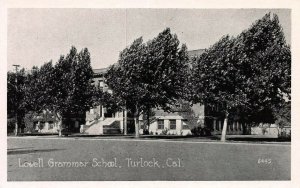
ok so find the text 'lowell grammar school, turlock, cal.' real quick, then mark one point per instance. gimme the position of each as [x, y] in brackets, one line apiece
[103, 163]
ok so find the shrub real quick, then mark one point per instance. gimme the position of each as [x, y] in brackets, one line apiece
[165, 131]
[146, 132]
[28, 119]
[199, 131]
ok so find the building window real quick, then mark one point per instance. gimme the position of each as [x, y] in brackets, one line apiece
[160, 124]
[50, 124]
[42, 125]
[172, 124]
[185, 124]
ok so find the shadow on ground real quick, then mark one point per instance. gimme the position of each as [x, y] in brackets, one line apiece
[260, 139]
[230, 138]
[17, 151]
[36, 134]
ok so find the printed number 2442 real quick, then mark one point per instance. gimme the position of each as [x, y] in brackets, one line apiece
[264, 161]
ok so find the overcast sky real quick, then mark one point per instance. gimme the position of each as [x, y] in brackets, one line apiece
[36, 36]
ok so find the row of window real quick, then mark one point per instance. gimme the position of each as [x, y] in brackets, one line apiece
[42, 125]
[160, 124]
[230, 127]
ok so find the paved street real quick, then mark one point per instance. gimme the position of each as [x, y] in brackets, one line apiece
[52, 158]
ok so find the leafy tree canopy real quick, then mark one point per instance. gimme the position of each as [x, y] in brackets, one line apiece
[151, 74]
[249, 74]
[65, 88]
[251, 71]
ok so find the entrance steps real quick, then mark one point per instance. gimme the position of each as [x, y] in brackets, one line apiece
[106, 126]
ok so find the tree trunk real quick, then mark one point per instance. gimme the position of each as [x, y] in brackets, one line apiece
[244, 128]
[125, 122]
[59, 128]
[136, 115]
[59, 124]
[16, 126]
[279, 133]
[224, 130]
[148, 119]
[137, 126]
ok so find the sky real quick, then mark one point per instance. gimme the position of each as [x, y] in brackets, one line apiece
[36, 36]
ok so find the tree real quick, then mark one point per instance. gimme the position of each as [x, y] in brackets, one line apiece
[108, 100]
[215, 79]
[73, 84]
[65, 88]
[263, 50]
[150, 75]
[15, 96]
[283, 115]
[248, 73]
[39, 87]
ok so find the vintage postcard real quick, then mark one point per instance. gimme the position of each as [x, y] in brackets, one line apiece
[172, 95]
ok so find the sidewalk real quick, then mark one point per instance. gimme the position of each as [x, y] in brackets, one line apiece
[251, 139]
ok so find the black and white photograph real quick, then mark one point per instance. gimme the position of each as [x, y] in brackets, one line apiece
[148, 94]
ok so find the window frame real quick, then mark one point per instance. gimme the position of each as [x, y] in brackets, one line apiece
[159, 124]
[172, 120]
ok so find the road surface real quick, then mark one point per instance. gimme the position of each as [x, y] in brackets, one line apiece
[74, 159]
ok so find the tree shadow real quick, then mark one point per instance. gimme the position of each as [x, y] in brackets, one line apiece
[22, 151]
[18, 148]
[260, 139]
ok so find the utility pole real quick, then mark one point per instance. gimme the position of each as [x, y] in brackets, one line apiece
[16, 80]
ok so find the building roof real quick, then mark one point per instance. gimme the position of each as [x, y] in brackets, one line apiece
[100, 71]
[194, 53]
